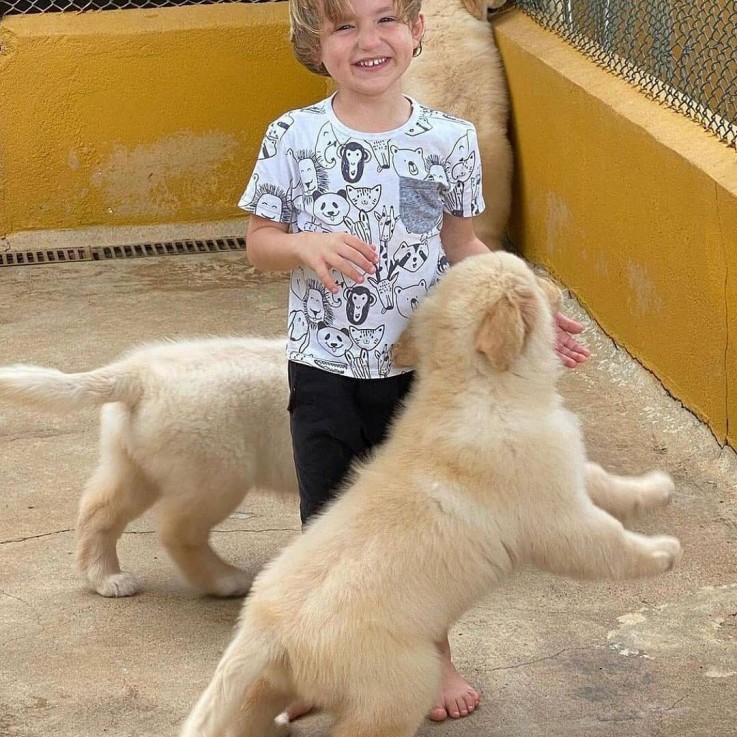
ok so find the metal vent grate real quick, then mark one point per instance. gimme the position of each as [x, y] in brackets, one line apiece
[137, 250]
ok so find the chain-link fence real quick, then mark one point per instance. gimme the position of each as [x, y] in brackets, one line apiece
[681, 52]
[25, 7]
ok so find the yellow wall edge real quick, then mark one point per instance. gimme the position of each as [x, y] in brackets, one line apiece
[632, 206]
[133, 117]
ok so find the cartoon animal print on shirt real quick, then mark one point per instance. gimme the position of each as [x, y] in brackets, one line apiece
[384, 361]
[422, 124]
[329, 211]
[461, 174]
[336, 342]
[298, 331]
[271, 203]
[353, 159]
[436, 170]
[274, 134]
[316, 305]
[411, 256]
[365, 340]
[408, 162]
[364, 199]
[387, 222]
[385, 289]
[327, 146]
[459, 167]
[312, 175]
[381, 154]
[408, 298]
[358, 302]
[443, 264]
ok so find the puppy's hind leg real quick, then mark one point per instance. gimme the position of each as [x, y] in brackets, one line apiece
[589, 543]
[191, 506]
[117, 493]
[625, 497]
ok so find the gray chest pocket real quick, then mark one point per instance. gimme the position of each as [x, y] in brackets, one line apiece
[420, 205]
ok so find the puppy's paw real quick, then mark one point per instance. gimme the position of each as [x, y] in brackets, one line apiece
[666, 551]
[117, 585]
[233, 583]
[281, 726]
[656, 490]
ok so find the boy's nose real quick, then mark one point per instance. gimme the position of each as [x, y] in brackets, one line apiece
[369, 37]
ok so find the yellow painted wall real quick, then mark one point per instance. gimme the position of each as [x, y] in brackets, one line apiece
[633, 207]
[139, 116]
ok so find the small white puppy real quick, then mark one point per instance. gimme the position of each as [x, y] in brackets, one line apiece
[483, 470]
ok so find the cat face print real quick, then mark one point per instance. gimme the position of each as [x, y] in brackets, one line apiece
[332, 208]
[364, 198]
[366, 338]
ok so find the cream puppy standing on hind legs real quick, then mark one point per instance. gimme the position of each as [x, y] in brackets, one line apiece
[484, 470]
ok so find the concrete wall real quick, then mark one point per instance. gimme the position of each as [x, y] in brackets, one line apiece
[139, 116]
[634, 208]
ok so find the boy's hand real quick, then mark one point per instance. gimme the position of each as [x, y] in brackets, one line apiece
[570, 350]
[343, 252]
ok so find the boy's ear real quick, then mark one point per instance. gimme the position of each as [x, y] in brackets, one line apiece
[404, 354]
[418, 28]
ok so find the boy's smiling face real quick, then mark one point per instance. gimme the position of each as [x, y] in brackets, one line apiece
[368, 51]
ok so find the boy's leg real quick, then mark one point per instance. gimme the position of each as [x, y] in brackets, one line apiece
[325, 433]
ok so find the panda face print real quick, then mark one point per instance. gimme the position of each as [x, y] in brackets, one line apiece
[334, 341]
[331, 208]
[269, 206]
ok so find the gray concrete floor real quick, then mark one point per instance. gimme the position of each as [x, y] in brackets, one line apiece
[551, 656]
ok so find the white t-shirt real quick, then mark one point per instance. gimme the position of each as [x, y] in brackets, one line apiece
[389, 189]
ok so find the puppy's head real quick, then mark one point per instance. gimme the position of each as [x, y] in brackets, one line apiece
[489, 311]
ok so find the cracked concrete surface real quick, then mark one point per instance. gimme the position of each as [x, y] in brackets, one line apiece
[551, 656]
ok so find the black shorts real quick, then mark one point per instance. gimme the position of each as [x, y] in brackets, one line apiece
[335, 420]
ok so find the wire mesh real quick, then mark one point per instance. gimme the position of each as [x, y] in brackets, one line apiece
[680, 52]
[25, 7]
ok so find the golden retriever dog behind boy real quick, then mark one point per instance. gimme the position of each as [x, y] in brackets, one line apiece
[192, 426]
[483, 470]
[460, 72]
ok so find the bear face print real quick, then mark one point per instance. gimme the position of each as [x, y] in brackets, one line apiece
[408, 162]
[408, 298]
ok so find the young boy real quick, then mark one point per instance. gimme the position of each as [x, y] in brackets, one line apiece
[366, 197]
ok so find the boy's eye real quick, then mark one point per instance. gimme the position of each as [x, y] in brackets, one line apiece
[343, 26]
[388, 19]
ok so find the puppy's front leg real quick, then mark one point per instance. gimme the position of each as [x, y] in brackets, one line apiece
[625, 497]
[589, 543]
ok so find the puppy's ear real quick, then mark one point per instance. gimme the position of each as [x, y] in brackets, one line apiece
[501, 334]
[551, 292]
[404, 353]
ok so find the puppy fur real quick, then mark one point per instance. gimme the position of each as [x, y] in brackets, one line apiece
[460, 72]
[483, 470]
[192, 425]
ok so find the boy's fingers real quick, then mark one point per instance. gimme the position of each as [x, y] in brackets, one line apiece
[366, 249]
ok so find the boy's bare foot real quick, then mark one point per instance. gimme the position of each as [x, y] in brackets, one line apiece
[456, 698]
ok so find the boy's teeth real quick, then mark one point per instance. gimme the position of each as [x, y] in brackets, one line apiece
[371, 62]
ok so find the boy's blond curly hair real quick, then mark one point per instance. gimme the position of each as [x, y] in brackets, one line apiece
[306, 19]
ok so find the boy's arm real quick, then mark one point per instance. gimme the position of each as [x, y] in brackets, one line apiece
[459, 241]
[271, 247]
[459, 238]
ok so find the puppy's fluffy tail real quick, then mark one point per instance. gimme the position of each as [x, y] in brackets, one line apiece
[238, 695]
[56, 390]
